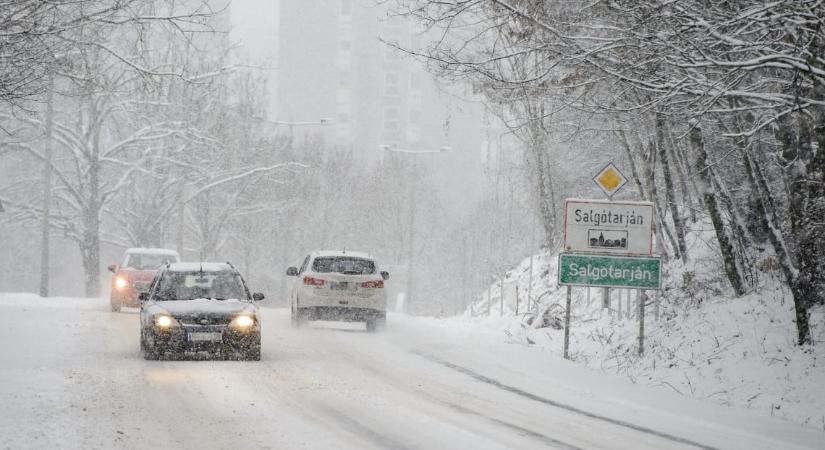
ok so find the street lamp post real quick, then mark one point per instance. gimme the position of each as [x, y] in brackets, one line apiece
[293, 124]
[411, 242]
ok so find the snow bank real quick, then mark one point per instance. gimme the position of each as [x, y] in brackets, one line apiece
[707, 343]
[28, 300]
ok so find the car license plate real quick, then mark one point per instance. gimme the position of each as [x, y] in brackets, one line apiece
[204, 337]
[339, 286]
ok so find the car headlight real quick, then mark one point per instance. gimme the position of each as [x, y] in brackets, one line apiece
[164, 321]
[243, 322]
[121, 282]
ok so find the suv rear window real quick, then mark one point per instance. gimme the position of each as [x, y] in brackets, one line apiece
[343, 264]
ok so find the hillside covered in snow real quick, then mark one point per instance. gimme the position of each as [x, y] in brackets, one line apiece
[706, 343]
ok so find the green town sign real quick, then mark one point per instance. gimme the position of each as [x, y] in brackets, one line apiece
[610, 271]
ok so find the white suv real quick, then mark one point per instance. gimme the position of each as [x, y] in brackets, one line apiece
[341, 286]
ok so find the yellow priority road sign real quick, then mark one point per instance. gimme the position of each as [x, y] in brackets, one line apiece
[610, 180]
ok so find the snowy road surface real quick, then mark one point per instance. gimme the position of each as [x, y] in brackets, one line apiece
[72, 377]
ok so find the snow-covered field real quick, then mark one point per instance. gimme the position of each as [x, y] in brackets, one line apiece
[707, 344]
[72, 377]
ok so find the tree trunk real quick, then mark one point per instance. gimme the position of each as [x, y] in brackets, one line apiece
[681, 171]
[768, 217]
[737, 218]
[807, 210]
[544, 183]
[678, 224]
[661, 227]
[47, 194]
[91, 213]
[634, 171]
[709, 197]
[740, 236]
[90, 251]
[809, 251]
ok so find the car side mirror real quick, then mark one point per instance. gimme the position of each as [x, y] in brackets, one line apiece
[257, 296]
[143, 296]
[292, 272]
[385, 275]
[113, 268]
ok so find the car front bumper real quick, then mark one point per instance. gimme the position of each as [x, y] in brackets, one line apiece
[179, 340]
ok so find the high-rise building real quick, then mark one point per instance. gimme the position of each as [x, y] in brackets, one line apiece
[337, 59]
[334, 61]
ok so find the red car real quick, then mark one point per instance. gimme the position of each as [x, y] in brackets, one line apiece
[135, 273]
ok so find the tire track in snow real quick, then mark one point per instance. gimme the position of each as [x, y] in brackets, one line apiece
[547, 440]
[367, 366]
[360, 430]
[520, 430]
[477, 376]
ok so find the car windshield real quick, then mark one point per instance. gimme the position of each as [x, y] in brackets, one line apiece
[192, 285]
[147, 261]
[343, 264]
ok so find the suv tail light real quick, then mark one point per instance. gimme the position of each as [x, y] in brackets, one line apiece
[309, 281]
[373, 284]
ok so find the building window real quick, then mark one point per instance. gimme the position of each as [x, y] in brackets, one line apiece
[343, 78]
[392, 112]
[345, 45]
[392, 84]
[343, 117]
[391, 116]
[346, 7]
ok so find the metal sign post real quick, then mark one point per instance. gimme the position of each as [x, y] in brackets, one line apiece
[610, 180]
[642, 300]
[567, 325]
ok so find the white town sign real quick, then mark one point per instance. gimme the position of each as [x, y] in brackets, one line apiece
[618, 228]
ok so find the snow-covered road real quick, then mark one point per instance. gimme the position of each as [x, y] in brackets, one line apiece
[71, 376]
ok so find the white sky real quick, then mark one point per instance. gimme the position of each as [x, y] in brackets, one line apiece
[255, 26]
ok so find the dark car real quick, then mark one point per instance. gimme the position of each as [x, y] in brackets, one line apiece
[134, 274]
[197, 308]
